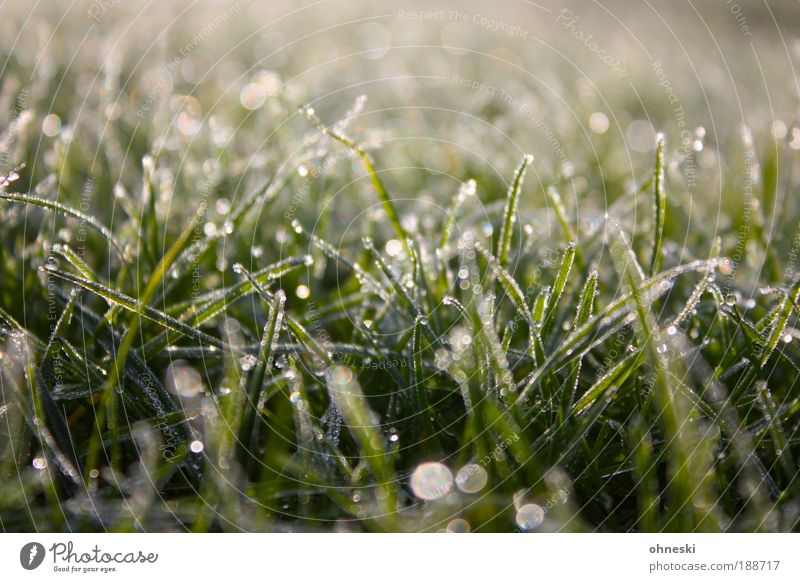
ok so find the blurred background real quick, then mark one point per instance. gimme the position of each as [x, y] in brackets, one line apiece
[108, 101]
[455, 88]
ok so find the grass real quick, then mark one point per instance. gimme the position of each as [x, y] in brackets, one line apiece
[203, 334]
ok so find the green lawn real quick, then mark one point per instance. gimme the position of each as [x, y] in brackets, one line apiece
[531, 281]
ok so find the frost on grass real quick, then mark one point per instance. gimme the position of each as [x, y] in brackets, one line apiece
[285, 322]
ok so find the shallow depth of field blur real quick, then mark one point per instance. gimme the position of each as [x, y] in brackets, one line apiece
[414, 266]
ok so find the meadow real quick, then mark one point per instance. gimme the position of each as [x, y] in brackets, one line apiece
[347, 266]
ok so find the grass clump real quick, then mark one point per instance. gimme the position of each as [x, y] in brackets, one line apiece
[211, 339]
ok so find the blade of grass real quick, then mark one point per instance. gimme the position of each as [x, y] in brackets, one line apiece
[510, 212]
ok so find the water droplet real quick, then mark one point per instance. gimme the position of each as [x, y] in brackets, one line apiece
[458, 525]
[51, 125]
[779, 129]
[471, 478]
[394, 247]
[530, 516]
[672, 330]
[248, 362]
[302, 291]
[787, 338]
[196, 446]
[598, 122]
[40, 463]
[223, 206]
[253, 96]
[431, 481]
[341, 375]
[183, 380]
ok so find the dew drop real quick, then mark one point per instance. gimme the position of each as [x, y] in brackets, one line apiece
[530, 516]
[341, 375]
[253, 96]
[431, 481]
[248, 362]
[458, 525]
[210, 229]
[51, 125]
[471, 478]
[394, 247]
[184, 380]
[598, 122]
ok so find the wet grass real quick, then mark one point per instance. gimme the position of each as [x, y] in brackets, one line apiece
[198, 340]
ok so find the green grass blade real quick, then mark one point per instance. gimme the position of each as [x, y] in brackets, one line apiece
[659, 207]
[510, 212]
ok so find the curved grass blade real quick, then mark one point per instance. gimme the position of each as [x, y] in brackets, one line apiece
[510, 212]
[269, 339]
[366, 160]
[558, 289]
[137, 307]
[295, 327]
[778, 326]
[69, 211]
